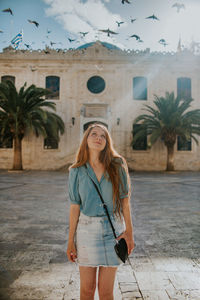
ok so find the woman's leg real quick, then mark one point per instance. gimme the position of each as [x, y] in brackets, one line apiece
[106, 282]
[87, 282]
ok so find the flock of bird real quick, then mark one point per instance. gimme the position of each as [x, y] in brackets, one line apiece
[109, 32]
[178, 6]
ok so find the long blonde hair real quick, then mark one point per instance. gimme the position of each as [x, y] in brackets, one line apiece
[108, 157]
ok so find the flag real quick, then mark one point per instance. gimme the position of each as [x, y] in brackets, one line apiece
[17, 40]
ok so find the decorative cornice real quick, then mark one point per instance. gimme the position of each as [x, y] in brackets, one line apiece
[95, 51]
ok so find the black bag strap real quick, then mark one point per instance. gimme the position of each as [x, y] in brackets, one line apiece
[104, 206]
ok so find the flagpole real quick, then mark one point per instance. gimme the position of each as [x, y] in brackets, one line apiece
[22, 35]
[11, 29]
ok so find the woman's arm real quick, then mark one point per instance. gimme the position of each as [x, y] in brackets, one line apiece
[73, 221]
[128, 234]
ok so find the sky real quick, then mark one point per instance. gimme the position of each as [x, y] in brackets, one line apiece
[61, 20]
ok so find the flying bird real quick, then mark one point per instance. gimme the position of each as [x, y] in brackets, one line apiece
[100, 68]
[127, 1]
[71, 40]
[178, 6]
[162, 42]
[33, 69]
[27, 46]
[119, 23]
[34, 22]
[135, 36]
[8, 10]
[1, 31]
[83, 33]
[108, 31]
[133, 20]
[153, 17]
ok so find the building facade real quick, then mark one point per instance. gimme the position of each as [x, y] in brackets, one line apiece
[100, 82]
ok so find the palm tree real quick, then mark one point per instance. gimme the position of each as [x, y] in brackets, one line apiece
[22, 113]
[170, 118]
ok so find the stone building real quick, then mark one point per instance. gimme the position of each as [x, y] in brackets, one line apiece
[100, 82]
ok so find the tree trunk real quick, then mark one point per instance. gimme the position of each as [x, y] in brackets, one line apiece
[170, 158]
[17, 163]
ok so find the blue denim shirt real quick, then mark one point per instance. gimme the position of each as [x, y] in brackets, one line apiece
[82, 190]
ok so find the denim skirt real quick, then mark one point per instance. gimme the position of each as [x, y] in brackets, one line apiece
[95, 241]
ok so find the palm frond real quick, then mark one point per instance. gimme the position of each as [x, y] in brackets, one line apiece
[26, 111]
[169, 118]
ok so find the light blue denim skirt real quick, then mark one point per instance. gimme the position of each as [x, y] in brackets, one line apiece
[95, 241]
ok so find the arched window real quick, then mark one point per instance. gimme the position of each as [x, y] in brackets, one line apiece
[184, 87]
[140, 88]
[50, 143]
[141, 143]
[184, 145]
[8, 77]
[53, 85]
[6, 139]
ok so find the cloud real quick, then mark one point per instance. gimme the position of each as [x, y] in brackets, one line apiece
[88, 16]
[93, 15]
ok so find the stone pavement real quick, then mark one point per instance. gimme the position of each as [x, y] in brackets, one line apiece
[33, 237]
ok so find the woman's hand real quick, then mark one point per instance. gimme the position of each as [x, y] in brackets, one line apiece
[129, 240]
[71, 252]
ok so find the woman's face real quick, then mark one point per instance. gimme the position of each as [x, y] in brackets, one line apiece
[96, 139]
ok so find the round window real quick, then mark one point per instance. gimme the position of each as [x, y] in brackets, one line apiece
[96, 84]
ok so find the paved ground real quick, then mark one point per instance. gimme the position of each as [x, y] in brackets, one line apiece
[33, 232]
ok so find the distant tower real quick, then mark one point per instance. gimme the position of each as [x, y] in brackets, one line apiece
[179, 47]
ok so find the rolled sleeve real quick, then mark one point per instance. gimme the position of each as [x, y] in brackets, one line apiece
[73, 186]
[124, 186]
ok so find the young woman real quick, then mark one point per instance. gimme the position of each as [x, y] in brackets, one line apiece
[91, 241]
